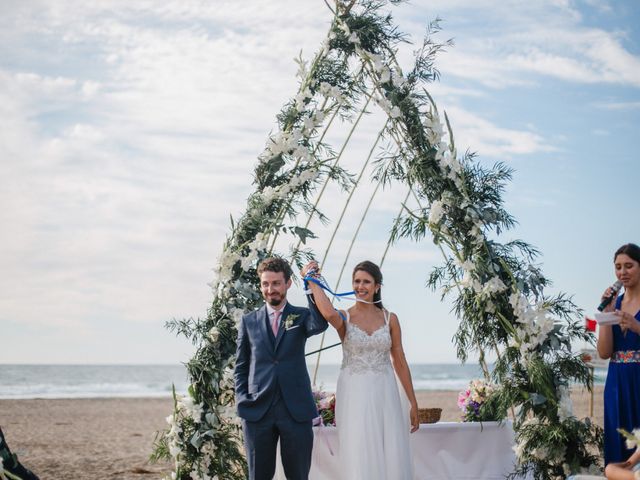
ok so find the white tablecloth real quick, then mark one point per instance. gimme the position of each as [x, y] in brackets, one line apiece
[441, 451]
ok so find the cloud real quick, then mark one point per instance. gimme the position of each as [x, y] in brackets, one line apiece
[618, 105]
[507, 47]
[481, 135]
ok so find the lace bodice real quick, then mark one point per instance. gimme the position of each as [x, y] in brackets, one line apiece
[364, 353]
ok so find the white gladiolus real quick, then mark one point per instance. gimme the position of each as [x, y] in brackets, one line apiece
[214, 334]
[467, 266]
[435, 129]
[325, 89]
[308, 122]
[236, 315]
[495, 285]
[336, 93]
[385, 75]
[518, 449]
[190, 408]
[565, 406]
[436, 212]
[397, 79]
[174, 450]
[395, 112]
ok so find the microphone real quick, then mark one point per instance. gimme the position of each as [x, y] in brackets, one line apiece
[616, 288]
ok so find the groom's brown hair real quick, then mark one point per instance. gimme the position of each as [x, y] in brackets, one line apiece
[275, 264]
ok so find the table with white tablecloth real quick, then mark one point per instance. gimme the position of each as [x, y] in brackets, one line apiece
[444, 450]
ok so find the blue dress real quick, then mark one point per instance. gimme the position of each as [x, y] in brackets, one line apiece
[621, 392]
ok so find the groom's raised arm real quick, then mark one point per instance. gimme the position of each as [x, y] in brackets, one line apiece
[315, 323]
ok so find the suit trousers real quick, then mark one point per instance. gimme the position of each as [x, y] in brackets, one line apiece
[261, 441]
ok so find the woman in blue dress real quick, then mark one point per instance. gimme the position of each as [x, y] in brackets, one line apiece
[621, 344]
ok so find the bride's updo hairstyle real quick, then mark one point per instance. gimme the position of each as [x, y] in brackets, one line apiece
[373, 270]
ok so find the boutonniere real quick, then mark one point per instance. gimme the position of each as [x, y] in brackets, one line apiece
[288, 323]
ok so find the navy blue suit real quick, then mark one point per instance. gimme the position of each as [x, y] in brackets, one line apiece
[273, 390]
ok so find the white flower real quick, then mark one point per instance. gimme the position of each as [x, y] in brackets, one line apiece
[336, 94]
[308, 123]
[495, 285]
[236, 315]
[436, 212]
[353, 38]
[397, 79]
[214, 334]
[518, 448]
[395, 112]
[174, 450]
[277, 145]
[565, 407]
[490, 307]
[247, 261]
[192, 409]
[377, 61]
[301, 97]
[302, 153]
[435, 129]
[325, 88]
[385, 75]
[540, 453]
[468, 265]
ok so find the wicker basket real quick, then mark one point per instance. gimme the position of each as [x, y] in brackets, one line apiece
[429, 415]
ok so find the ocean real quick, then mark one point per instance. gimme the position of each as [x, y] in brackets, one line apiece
[98, 381]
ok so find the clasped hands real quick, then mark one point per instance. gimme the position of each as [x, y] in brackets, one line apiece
[312, 268]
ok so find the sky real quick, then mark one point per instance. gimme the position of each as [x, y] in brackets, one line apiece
[129, 131]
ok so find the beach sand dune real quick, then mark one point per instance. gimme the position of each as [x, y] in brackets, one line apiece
[111, 439]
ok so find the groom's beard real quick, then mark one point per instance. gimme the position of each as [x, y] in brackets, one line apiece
[275, 299]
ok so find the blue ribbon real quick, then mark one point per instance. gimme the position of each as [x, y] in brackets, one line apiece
[323, 284]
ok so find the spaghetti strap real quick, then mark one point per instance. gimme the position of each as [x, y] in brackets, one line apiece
[387, 316]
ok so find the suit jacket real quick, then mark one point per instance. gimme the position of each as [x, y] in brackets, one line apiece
[264, 364]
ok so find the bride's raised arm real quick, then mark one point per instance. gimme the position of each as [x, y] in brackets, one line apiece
[331, 315]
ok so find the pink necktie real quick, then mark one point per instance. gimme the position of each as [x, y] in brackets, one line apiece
[275, 322]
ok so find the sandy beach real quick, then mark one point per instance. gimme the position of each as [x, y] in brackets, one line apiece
[95, 439]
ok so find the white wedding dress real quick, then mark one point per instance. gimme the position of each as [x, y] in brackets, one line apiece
[372, 415]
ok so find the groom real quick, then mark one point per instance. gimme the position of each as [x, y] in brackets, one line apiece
[273, 391]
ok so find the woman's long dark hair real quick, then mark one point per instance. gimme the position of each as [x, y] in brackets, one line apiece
[373, 270]
[630, 249]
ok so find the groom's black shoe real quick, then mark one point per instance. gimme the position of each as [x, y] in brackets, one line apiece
[11, 467]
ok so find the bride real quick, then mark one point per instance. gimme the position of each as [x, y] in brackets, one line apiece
[373, 427]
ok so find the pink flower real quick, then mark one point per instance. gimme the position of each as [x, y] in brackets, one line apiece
[462, 399]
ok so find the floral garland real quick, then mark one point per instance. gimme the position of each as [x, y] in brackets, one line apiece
[500, 292]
